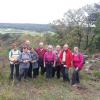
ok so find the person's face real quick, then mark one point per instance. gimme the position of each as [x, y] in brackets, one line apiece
[32, 50]
[50, 49]
[57, 48]
[76, 50]
[41, 45]
[14, 47]
[25, 49]
[27, 42]
[65, 47]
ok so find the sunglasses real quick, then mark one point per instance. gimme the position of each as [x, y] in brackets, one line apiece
[25, 48]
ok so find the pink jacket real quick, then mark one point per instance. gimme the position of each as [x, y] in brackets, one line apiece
[50, 56]
[78, 60]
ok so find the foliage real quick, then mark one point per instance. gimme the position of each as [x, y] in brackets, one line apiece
[97, 74]
[31, 27]
[79, 27]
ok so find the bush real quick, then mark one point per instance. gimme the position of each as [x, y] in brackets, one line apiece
[97, 74]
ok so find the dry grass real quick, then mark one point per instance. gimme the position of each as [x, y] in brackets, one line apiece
[41, 89]
[54, 89]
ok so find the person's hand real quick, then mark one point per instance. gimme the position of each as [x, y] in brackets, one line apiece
[32, 62]
[53, 65]
[62, 62]
[76, 69]
[44, 65]
[65, 66]
[15, 61]
[12, 59]
[25, 61]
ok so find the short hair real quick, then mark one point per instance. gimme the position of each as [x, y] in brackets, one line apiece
[41, 43]
[58, 46]
[76, 48]
[66, 45]
[27, 41]
[50, 46]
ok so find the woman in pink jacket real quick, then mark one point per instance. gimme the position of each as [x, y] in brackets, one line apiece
[78, 60]
[49, 61]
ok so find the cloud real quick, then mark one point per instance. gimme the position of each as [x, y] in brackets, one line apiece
[37, 11]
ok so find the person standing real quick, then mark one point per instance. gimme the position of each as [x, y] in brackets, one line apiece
[41, 51]
[27, 44]
[24, 63]
[58, 64]
[34, 61]
[14, 64]
[78, 63]
[49, 61]
[66, 61]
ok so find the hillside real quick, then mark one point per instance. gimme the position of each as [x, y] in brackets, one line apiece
[25, 26]
[42, 89]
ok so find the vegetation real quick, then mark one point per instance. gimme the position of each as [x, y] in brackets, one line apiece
[41, 89]
[31, 27]
[79, 27]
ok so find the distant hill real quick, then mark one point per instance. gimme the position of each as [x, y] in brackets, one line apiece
[30, 27]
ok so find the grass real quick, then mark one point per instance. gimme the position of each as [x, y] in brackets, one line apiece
[42, 89]
[4, 53]
[54, 89]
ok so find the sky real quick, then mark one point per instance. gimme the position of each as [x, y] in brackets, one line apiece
[37, 11]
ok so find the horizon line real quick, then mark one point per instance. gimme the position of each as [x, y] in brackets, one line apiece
[22, 23]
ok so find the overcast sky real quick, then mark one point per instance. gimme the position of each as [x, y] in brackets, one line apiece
[37, 11]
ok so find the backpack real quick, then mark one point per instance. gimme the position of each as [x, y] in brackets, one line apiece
[83, 58]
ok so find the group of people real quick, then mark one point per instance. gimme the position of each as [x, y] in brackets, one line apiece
[28, 62]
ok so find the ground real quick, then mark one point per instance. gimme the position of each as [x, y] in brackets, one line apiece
[42, 89]
[54, 89]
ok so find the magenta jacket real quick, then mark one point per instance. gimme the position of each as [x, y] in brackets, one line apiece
[49, 56]
[78, 60]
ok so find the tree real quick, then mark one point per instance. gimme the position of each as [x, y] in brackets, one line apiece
[90, 25]
[80, 25]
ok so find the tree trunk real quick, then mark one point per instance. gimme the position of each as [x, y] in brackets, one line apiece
[91, 41]
[79, 42]
[80, 37]
[87, 41]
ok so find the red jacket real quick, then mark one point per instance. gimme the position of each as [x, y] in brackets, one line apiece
[68, 58]
[41, 52]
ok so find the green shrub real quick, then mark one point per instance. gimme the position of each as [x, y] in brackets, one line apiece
[97, 74]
